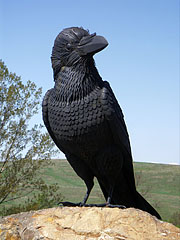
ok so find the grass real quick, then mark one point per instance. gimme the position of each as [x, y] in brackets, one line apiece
[161, 181]
[165, 187]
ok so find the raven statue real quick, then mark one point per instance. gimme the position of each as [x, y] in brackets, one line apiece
[86, 122]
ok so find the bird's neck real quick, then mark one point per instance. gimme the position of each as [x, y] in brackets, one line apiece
[77, 82]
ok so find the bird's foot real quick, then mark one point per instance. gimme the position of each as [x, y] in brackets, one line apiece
[80, 204]
[70, 204]
[104, 205]
[115, 206]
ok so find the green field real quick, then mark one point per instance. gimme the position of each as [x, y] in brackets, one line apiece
[159, 182]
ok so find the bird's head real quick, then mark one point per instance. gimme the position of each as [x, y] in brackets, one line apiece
[73, 44]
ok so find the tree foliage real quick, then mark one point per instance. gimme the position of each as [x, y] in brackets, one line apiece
[24, 151]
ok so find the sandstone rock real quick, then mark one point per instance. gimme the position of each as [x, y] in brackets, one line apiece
[74, 223]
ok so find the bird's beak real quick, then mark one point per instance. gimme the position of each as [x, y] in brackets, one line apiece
[91, 44]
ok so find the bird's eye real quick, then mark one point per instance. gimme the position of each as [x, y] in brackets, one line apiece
[68, 46]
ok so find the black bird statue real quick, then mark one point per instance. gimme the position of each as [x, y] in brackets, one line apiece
[86, 122]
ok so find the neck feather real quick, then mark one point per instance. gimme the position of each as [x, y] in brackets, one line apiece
[77, 82]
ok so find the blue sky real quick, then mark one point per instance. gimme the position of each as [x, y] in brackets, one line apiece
[141, 62]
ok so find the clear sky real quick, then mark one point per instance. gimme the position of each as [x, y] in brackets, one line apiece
[141, 62]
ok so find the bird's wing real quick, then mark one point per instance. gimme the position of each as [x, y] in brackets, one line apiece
[117, 125]
[118, 128]
[46, 119]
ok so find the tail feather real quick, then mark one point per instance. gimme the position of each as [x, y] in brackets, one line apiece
[126, 194]
[145, 206]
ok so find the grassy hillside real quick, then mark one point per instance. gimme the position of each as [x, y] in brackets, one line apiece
[159, 183]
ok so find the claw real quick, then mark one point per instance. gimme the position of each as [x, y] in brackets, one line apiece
[70, 204]
[115, 206]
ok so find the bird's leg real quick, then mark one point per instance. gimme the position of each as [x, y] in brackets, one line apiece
[89, 188]
[108, 203]
[89, 185]
[109, 196]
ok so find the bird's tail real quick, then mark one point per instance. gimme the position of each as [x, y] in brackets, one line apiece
[124, 194]
[145, 206]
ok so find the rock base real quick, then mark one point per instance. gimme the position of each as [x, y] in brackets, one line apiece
[84, 223]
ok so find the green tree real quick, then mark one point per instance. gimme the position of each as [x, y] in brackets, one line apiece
[24, 151]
